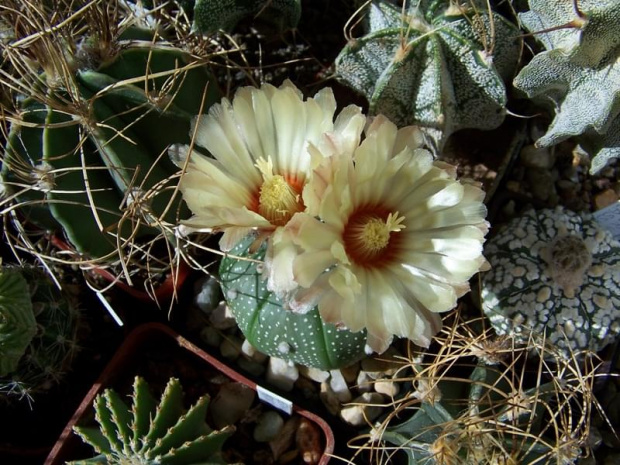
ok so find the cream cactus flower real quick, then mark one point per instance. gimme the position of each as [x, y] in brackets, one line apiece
[389, 238]
[259, 143]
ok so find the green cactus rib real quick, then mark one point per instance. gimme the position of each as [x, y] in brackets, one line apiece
[111, 161]
[54, 341]
[147, 433]
[580, 65]
[273, 330]
[436, 66]
[213, 15]
[17, 322]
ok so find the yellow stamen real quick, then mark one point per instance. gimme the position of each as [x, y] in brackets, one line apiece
[277, 201]
[368, 236]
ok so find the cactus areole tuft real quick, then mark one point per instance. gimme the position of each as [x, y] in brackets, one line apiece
[276, 331]
[554, 271]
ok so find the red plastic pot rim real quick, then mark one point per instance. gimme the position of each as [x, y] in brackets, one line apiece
[120, 359]
[163, 292]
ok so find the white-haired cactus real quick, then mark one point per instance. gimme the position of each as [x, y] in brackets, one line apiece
[38, 333]
[579, 73]
[557, 273]
[434, 64]
[87, 154]
[151, 433]
[211, 15]
[276, 331]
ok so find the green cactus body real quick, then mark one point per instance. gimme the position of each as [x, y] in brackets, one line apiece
[554, 272]
[437, 66]
[101, 172]
[152, 433]
[441, 432]
[275, 331]
[212, 15]
[579, 73]
[17, 323]
[52, 343]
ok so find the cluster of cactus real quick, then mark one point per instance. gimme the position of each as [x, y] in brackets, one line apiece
[274, 330]
[554, 272]
[38, 333]
[578, 74]
[152, 433]
[433, 63]
[509, 408]
[86, 151]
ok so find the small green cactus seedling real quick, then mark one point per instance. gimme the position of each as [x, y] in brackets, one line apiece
[434, 64]
[211, 15]
[148, 433]
[579, 73]
[276, 331]
[17, 323]
[554, 272]
[38, 333]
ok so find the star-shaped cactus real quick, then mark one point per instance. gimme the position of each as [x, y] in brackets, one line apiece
[434, 64]
[579, 72]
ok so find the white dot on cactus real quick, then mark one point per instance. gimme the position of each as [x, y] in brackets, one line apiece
[543, 294]
[284, 347]
[260, 267]
[231, 294]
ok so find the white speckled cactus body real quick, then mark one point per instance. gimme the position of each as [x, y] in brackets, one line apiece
[579, 73]
[151, 433]
[557, 272]
[438, 65]
[276, 331]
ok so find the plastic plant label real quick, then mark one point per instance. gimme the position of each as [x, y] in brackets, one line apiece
[273, 399]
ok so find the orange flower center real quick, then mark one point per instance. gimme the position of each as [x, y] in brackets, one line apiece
[370, 237]
[278, 200]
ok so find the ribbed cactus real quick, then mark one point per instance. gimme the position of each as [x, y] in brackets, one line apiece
[276, 331]
[149, 433]
[578, 74]
[211, 15]
[433, 63]
[38, 333]
[87, 154]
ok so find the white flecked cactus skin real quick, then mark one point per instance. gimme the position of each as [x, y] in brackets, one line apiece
[557, 272]
[273, 330]
[438, 66]
[579, 73]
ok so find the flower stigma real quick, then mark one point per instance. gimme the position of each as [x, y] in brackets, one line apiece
[368, 236]
[277, 200]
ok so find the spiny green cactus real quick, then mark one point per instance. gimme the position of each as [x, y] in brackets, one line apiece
[481, 429]
[17, 323]
[87, 153]
[554, 272]
[276, 331]
[579, 73]
[148, 433]
[434, 64]
[47, 323]
[211, 15]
